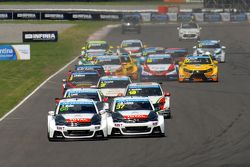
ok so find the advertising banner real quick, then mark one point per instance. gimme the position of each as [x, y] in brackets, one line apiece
[159, 17]
[238, 17]
[212, 17]
[225, 17]
[146, 17]
[26, 15]
[5, 15]
[172, 16]
[14, 52]
[40, 36]
[184, 16]
[199, 16]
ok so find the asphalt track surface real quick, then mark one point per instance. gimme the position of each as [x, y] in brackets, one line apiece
[209, 128]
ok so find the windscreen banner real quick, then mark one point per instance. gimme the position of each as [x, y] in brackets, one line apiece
[14, 52]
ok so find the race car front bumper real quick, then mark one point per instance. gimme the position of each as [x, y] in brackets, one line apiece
[66, 132]
[136, 129]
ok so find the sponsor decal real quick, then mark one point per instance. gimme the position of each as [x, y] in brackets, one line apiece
[14, 52]
[82, 16]
[184, 16]
[135, 116]
[39, 36]
[79, 120]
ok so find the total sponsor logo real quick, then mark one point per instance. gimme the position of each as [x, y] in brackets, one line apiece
[82, 16]
[26, 15]
[54, 16]
[102, 16]
[44, 36]
[135, 116]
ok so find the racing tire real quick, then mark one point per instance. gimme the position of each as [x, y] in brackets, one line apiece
[51, 139]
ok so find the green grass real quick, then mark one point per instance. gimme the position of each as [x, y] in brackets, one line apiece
[19, 78]
[136, 2]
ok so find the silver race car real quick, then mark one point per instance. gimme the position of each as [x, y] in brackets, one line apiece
[189, 31]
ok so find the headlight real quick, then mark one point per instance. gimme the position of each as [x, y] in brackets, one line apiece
[60, 120]
[209, 70]
[186, 70]
[96, 120]
[117, 117]
[152, 116]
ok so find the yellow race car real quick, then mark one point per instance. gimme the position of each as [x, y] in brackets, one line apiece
[198, 68]
[128, 67]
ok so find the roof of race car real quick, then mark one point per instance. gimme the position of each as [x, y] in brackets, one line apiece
[131, 41]
[82, 90]
[132, 98]
[208, 42]
[144, 85]
[99, 42]
[158, 56]
[123, 78]
[173, 50]
[107, 57]
[77, 101]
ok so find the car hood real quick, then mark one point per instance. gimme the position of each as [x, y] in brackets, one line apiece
[108, 92]
[82, 84]
[78, 117]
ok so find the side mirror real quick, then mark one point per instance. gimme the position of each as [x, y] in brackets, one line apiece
[64, 80]
[111, 47]
[167, 94]
[223, 47]
[195, 47]
[178, 28]
[51, 113]
[216, 62]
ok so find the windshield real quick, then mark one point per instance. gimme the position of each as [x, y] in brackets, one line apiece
[178, 54]
[154, 91]
[76, 108]
[131, 44]
[197, 60]
[189, 25]
[84, 78]
[109, 62]
[103, 46]
[113, 83]
[86, 95]
[209, 46]
[132, 105]
[91, 67]
[159, 61]
[132, 19]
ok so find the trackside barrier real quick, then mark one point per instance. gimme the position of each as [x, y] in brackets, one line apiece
[115, 15]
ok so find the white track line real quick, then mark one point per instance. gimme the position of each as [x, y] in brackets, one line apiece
[106, 29]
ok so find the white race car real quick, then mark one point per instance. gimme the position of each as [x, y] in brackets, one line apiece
[134, 47]
[77, 119]
[189, 31]
[132, 116]
[110, 63]
[152, 90]
[113, 86]
[213, 47]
